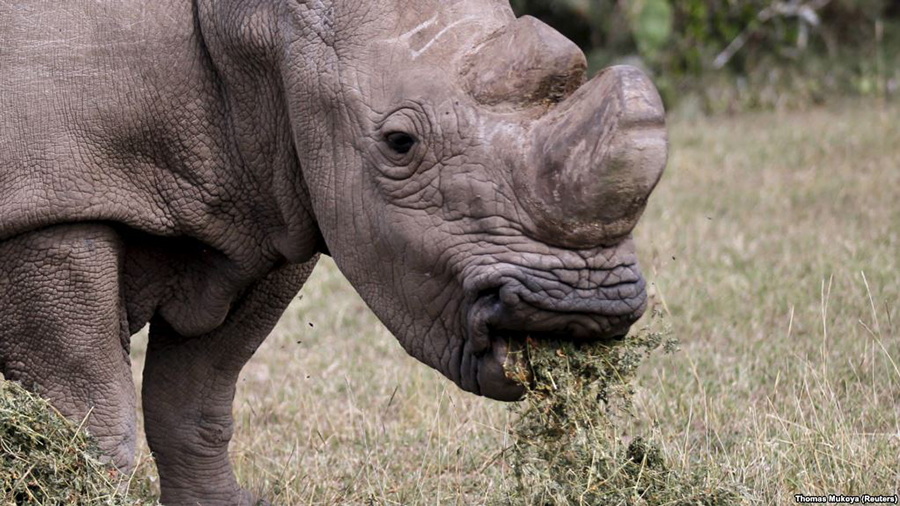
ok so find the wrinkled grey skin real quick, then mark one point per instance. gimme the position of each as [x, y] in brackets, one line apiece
[184, 164]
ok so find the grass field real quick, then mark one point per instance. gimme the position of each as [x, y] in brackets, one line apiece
[772, 244]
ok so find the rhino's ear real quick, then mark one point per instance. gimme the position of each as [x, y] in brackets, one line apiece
[524, 63]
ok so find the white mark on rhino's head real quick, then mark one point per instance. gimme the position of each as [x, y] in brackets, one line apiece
[425, 24]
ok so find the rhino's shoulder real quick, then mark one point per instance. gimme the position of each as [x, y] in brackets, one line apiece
[105, 114]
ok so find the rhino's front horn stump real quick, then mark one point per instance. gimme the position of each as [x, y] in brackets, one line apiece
[596, 158]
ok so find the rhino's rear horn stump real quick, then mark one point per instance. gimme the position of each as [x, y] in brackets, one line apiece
[525, 63]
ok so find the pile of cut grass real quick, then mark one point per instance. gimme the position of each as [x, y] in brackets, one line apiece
[47, 460]
[568, 448]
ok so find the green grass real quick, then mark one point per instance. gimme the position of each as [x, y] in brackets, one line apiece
[573, 443]
[46, 459]
[773, 243]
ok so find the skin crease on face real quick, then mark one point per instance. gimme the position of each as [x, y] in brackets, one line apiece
[426, 195]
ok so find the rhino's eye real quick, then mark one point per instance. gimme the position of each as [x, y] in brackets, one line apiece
[400, 142]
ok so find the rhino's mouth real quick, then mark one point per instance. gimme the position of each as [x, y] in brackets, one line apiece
[494, 363]
[503, 369]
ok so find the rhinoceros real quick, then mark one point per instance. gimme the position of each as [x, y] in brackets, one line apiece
[183, 164]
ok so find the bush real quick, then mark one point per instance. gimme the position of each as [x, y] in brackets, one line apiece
[758, 48]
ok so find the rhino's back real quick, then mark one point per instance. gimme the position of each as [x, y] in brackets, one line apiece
[99, 103]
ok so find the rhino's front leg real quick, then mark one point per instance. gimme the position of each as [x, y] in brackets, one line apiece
[64, 331]
[189, 386]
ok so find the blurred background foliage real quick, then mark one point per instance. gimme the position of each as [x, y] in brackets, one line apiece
[734, 55]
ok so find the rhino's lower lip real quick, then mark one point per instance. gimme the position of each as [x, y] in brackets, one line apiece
[481, 363]
[502, 371]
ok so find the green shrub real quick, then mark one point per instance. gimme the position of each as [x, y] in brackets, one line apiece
[745, 53]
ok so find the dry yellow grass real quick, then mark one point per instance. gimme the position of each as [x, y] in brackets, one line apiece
[773, 243]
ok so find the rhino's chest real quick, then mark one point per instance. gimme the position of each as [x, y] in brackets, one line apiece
[191, 286]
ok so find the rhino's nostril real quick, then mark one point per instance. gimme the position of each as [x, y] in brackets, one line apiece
[489, 294]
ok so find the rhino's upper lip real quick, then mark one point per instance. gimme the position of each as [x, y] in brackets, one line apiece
[572, 316]
[615, 297]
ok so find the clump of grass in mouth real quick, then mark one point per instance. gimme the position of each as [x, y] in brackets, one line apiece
[47, 460]
[567, 449]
